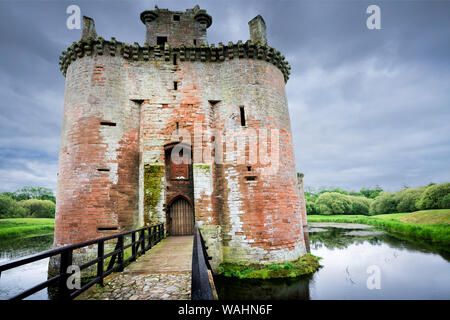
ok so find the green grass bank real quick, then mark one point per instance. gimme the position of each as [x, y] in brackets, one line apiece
[307, 264]
[431, 225]
[26, 227]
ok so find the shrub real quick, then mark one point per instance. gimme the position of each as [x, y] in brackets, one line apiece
[360, 205]
[444, 202]
[384, 203]
[333, 203]
[407, 199]
[434, 197]
[9, 208]
[39, 208]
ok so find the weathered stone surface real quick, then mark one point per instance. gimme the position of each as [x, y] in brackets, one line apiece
[122, 109]
[163, 273]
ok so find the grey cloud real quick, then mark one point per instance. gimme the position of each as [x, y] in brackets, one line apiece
[367, 107]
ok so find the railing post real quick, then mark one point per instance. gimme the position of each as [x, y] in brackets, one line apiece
[66, 261]
[100, 251]
[149, 239]
[120, 255]
[142, 237]
[133, 246]
[152, 239]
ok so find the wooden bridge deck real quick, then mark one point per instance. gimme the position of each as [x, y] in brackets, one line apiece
[163, 273]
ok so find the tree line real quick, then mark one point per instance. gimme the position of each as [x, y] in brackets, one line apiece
[376, 201]
[28, 202]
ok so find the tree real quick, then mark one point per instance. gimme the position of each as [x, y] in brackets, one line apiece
[444, 202]
[333, 203]
[406, 199]
[38, 208]
[41, 193]
[371, 193]
[9, 208]
[384, 203]
[434, 197]
[360, 205]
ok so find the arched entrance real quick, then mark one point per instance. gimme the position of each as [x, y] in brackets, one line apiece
[181, 218]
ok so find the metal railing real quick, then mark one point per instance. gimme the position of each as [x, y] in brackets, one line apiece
[147, 237]
[201, 287]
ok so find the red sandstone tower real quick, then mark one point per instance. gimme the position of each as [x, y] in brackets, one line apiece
[128, 107]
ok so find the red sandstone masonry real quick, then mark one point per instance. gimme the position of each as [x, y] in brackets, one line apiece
[260, 219]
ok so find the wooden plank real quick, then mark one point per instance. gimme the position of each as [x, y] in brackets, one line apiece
[182, 218]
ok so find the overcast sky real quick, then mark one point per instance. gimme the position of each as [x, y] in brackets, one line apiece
[367, 107]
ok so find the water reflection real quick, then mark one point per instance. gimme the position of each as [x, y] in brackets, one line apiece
[17, 280]
[408, 270]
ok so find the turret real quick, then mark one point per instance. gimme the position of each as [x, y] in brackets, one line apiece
[176, 27]
[258, 30]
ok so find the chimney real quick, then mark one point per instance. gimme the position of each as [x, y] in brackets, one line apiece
[258, 30]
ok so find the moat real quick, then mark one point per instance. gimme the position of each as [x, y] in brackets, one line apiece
[408, 269]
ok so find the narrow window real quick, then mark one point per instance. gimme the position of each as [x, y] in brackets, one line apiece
[249, 168]
[103, 170]
[213, 102]
[178, 127]
[242, 116]
[195, 42]
[175, 85]
[174, 59]
[108, 123]
[161, 40]
[176, 17]
[106, 228]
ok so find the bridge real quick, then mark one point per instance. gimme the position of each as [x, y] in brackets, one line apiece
[144, 265]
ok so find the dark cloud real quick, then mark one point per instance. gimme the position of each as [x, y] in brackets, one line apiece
[367, 107]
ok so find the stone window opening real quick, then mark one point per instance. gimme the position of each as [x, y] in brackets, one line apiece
[175, 60]
[103, 170]
[242, 112]
[195, 42]
[178, 129]
[213, 102]
[108, 123]
[161, 41]
[175, 85]
[106, 228]
[176, 17]
[249, 168]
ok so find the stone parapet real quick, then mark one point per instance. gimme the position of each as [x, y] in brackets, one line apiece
[204, 53]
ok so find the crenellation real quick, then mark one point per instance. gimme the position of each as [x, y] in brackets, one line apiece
[203, 53]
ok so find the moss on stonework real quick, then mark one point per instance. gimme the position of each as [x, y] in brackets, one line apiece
[153, 174]
[202, 167]
[306, 264]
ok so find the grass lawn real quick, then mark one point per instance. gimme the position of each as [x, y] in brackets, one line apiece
[25, 227]
[433, 225]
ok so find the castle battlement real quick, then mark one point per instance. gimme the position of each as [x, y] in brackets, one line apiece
[204, 53]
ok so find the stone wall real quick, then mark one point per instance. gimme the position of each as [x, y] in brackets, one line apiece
[180, 28]
[121, 110]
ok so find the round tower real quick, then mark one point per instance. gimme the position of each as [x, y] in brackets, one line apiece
[128, 107]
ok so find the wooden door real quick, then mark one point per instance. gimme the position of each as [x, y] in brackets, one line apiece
[181, 218]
